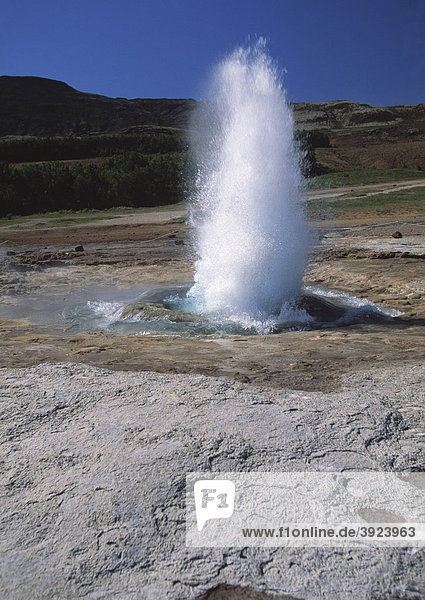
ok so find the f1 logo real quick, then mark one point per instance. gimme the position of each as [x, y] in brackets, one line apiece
[214, 499]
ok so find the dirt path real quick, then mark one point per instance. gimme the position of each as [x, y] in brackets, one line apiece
[369, 189]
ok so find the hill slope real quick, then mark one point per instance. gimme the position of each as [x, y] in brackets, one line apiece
[44, 107]
[354, 123]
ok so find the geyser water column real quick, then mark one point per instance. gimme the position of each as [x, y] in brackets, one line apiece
[251, 234]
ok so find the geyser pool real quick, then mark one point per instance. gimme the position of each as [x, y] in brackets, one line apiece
[158, 311]
[164, 311]
[251, 236]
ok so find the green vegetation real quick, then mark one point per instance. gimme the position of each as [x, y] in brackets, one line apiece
[137, 170]
[68, 217]
[400, 201]
[127, 179]
[364, 177]
[35, 149]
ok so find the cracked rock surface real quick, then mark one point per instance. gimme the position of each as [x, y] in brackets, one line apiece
[94, 464]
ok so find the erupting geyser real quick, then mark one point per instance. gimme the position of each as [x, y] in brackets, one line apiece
[251, 234]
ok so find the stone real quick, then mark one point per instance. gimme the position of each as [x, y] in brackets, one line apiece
[94, 470]
[150, 310]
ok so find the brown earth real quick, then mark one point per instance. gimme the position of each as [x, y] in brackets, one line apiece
[358, 124]
[378, 156]
[102, 232]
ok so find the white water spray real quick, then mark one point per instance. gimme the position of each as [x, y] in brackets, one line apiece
[251, 234]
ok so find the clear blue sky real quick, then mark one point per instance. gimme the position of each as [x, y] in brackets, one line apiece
[365, 50]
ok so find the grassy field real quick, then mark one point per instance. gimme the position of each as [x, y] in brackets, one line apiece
[64, 218]
[363, 177]
[405, 201]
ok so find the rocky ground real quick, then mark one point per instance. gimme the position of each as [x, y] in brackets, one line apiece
[363, 259]
[94, 481]
[100, 429]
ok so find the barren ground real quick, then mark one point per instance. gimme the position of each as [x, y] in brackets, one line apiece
[356, 253]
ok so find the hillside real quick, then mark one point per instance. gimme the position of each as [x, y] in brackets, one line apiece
[61, 149]
[44, 107]
[355, 124]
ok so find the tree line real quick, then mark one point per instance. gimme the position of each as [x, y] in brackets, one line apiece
[33, 149]
[131, 179]
[135, 170]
